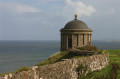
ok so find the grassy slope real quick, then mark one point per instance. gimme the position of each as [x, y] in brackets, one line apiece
[114, 58]
[55, 58]
[105, 72]
[52, 59]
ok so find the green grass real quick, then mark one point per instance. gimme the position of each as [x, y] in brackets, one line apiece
[88, 48]
[19, 70]
[2, 74]
[52, 59]
[114, 56]
[23, 69]
[60, 56]
[55, 58]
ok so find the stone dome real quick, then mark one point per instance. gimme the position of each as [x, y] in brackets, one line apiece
[76, 24]
[75, 34]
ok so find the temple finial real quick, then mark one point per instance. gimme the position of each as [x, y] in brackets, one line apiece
[76, 16]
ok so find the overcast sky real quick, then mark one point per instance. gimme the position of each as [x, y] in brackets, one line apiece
[42, 19]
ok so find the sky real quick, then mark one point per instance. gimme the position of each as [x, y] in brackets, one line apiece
[42, 19]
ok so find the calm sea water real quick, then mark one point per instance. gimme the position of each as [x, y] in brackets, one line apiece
[16, 54]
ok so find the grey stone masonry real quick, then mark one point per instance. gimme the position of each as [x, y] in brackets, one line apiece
[79, 38]
[62, 70]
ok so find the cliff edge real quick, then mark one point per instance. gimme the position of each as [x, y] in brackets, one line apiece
[66, 69]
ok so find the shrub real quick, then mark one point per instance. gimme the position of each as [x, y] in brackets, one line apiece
[23, 69]
[102, 51]
[81, 71]
[81, 53]
[114, 71]
[88, 48]
[2, 74]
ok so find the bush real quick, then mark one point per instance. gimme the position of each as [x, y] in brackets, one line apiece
[102, 51]
[81, 53]
[88, 48]
[114, 71]
[81, 71]
[2, 74]
[23, 69]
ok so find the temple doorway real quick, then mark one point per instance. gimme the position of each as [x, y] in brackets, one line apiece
[69, 43]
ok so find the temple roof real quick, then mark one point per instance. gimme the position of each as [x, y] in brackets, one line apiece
[76, 24]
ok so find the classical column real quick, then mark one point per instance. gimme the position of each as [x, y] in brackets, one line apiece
[90, 39]
[61, 41]
[66, 41]
[87, 39]
[72, 41]
[77, 40]
[83, 39]
[79, 43]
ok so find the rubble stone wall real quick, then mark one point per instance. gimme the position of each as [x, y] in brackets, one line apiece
[62, 70]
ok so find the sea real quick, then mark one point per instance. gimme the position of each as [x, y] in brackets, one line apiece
[17, 54]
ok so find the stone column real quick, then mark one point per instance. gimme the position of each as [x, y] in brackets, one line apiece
[65, 44]
[90, 39]
[66, 41]
[78, 40]
[85, 39]
[72, 41]
[63, 47]
[81, 39]
[61, 42]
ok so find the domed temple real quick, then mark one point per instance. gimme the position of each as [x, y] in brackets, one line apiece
[75, 34]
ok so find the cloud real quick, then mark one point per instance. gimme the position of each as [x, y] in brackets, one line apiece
[79, 8]
[46, 1]
[111, 11]
[24, 22]
[18, 8]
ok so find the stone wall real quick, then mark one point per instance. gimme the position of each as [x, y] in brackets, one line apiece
[78, 40]
[62, 70]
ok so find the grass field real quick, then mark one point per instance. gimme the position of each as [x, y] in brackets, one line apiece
[114, 56]
[112, 71]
